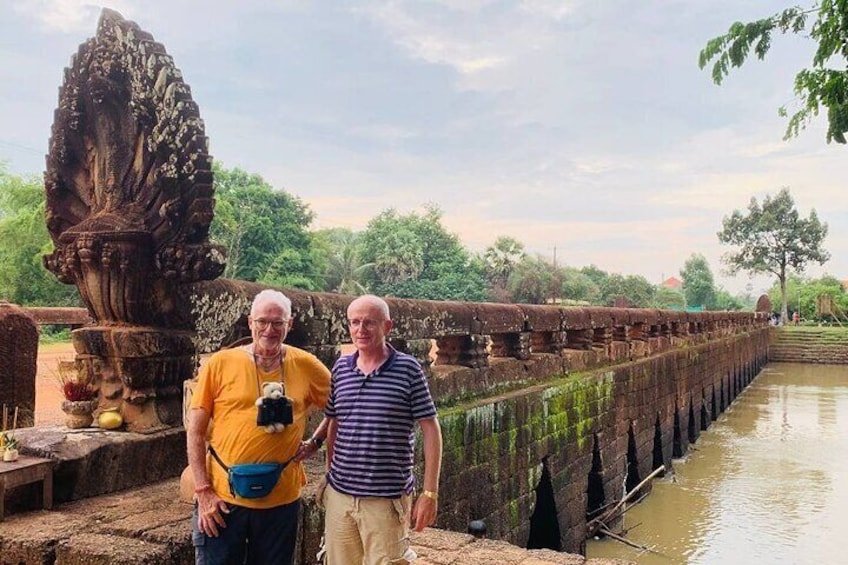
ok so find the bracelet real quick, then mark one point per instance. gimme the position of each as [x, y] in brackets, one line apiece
[198, 490]
[432, 495]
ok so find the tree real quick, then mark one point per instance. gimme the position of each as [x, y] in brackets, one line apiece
[23, 278]
[635, 288]
[264, 231]
[773, 238]
[669, 298]
[577, 285]
[340, 251]
[802, 294]
[698, 283]
[500, 259]
[816, 86]
[414, 256]
[726, 301]
[534, 281]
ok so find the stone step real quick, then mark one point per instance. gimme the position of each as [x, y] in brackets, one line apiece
[150, 526]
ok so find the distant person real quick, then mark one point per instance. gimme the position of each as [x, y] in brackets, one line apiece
[233, 526]
[796, 317]
[377, 396]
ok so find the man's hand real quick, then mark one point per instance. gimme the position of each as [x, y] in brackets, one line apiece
[305, 450]
[424, 513]
[210, 510]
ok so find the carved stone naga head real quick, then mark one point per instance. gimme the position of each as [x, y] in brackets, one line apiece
[129, 180]
[129, 204]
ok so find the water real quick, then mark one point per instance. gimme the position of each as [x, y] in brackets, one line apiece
[767, 483]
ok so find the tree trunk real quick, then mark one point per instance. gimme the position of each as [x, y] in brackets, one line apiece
[784, 310]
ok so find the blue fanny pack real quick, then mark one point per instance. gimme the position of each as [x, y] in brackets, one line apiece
[251, 480]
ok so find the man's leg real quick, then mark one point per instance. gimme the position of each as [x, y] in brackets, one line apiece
[273, 535]
[384, 526]
[341, 534]
[229, 547]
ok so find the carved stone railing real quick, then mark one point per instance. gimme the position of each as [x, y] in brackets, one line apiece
[453, 338]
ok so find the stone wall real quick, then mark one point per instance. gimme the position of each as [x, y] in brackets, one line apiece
[581, 424]
[18, 351]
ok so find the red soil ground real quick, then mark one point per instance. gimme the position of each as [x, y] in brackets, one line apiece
[48, 393]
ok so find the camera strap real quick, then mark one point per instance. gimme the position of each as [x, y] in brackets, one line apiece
[259, 381]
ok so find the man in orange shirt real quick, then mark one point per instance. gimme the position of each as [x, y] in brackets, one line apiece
[229, 528]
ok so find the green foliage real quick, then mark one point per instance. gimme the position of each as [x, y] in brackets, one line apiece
[802, 294]
[339, 253]
[54, 334]
[577, 285]
[668, 299]
[815, 87]
[500, 259]
[264, 231]
[635, 288]
[773, 238]
[533, 281]
[23, 278]
[413, 256]
[597, 276]
[726, 301]
[698, 283]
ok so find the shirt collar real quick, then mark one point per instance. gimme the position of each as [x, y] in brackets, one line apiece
[386, 364]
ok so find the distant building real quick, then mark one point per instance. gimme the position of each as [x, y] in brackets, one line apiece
[673, 282]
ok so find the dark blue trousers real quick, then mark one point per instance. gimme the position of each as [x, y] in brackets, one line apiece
[252, 537]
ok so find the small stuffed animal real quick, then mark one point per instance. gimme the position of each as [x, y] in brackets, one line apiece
[272, 395]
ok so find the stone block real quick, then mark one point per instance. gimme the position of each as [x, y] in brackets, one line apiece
[97, 549]
[93, 461]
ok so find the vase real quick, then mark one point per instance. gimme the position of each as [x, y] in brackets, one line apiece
[79, 413]
[10, 454]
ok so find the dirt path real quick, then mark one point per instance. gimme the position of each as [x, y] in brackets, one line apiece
[48, 395]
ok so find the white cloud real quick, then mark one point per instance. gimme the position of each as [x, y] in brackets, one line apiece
[67, 16]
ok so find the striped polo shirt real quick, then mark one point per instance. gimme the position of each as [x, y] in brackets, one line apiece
[375, 416]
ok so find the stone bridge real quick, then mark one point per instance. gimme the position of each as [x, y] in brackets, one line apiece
[546, 411]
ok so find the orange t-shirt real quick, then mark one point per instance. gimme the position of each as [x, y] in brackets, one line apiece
[228, 386]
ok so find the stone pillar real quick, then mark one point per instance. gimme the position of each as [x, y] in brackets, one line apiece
[418, 348]
[19, 352]
[138, 370]
[515, 345]
[465, 350]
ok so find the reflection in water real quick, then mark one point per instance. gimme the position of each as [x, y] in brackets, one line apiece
[767, 483]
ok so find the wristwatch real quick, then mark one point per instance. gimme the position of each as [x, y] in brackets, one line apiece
[318, 441]
[433, 495]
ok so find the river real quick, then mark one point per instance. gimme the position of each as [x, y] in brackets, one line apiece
[767, 483]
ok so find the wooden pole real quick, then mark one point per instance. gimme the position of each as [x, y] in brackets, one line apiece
[600, 522]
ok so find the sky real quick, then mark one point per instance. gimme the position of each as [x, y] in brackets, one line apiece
[582, 128]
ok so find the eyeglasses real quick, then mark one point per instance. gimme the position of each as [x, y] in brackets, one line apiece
[364, 324]
[276, 324]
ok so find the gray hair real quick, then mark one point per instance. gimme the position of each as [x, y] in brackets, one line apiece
[274, 296]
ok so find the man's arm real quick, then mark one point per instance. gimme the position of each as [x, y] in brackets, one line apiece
[309, 447]
[426, 507]
[332, 429]
[209, 506]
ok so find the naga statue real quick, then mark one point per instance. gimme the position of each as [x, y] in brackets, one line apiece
[129, 204]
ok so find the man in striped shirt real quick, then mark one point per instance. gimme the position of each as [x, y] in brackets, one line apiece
[377, 395]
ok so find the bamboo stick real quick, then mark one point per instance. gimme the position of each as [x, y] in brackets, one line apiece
[599, 522]
[623, 540]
